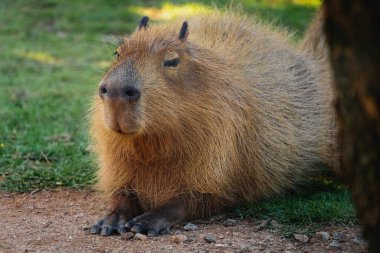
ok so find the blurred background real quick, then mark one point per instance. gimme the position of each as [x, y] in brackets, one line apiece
[52, 56]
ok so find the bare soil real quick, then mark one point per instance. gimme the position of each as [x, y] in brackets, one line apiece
[54, 221]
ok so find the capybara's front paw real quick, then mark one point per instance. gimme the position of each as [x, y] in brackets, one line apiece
[151, 224]
[110, 224]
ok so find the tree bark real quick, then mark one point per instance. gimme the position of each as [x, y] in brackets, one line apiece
[352, 30]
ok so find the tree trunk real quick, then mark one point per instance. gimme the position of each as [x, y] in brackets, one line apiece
[352, 30]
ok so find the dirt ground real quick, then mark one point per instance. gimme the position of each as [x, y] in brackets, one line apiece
[54, 221]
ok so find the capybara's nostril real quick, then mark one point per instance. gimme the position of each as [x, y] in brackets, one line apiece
[131, 93]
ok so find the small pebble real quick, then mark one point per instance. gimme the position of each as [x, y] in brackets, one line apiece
[127, 236]
[334, 244]
[339, 236]
[301, 238]
[210, 238]
[229, 222]
[190, 227]
[220, 245]
[141, 237]
[178, 238]
[324, 236]
[262, 224]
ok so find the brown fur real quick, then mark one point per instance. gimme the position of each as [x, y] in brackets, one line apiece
[244, 116]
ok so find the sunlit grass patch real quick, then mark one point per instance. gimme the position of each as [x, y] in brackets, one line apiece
[314, 3]
[170, 11]
[103, 64]
[41, 57]
[309, 3]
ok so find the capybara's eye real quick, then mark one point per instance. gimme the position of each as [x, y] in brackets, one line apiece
[171, 63]
[116, 53]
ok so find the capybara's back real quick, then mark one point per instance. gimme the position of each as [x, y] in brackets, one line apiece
[192, 120]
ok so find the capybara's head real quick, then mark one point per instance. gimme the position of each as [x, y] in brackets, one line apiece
[153, 79]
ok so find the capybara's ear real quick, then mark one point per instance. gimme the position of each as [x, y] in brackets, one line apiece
[183, 32]
[143, 23]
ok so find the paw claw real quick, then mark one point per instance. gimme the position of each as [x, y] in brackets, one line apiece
[106, 230]
[137, 228]
[129, 224]
[95, 229]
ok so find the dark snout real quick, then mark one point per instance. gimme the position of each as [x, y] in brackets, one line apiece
[125, 92]
[122, 83]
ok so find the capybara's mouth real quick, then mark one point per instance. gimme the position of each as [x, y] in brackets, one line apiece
[124, 127]
[124, 132]
[122, 120]
[128, 132]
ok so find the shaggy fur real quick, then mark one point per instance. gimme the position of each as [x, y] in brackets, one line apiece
[244, 115]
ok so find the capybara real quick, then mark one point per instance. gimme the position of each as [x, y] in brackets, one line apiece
[196, 117]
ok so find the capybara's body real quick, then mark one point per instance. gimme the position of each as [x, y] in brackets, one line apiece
[216, 114]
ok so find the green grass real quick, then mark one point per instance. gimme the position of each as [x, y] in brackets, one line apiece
[322, 203]
[53, 54]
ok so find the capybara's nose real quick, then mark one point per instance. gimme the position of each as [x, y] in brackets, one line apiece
[128, 93]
